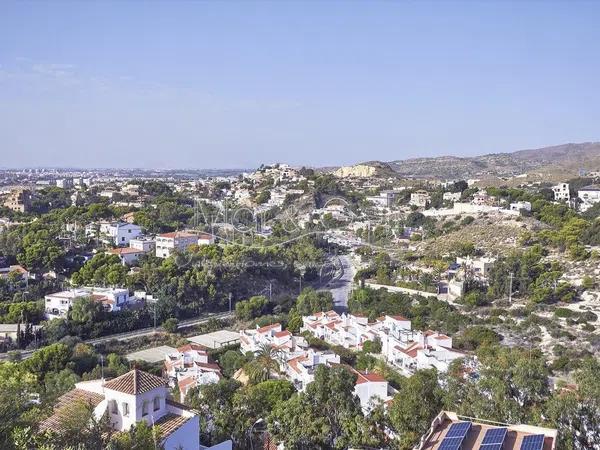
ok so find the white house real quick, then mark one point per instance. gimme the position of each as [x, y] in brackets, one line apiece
[167, 243]
[57, 305]
[518, 206]
[189, 367]
[589, 195]
[451, 196]
[561, 192]
[129, 399]
[142, 243]
[420, 198]
[479, 266]
[116, 233]
[127, 255]
[205, 239]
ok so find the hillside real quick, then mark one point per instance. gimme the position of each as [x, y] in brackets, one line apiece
[549, 162]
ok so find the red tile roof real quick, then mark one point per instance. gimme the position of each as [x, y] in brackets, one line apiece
[135, 382]
[268, 327]
[177, 234]
[62, 407]
[282, 333]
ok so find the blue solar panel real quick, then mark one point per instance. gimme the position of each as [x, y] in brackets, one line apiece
[494, 436]
[451, 443]
[490, 447]
[459, 429]
[533, 442]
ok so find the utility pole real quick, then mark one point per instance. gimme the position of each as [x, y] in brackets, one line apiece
[270, 292]
[230, 303]
[510, 288]
[154, 309]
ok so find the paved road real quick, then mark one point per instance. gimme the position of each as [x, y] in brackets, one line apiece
[137, 333]
[341, 284]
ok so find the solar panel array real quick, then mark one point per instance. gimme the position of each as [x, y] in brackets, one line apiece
[533, 442]
[493, 439]
[455, 436]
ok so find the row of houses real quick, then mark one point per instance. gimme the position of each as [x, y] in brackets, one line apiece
[401, 346]
[298, 362]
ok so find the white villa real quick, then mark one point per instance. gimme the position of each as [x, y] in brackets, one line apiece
[589, 196]
[116, 233]
[57, 305]
[131, 398]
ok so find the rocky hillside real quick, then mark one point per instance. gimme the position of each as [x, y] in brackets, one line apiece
[365, 170]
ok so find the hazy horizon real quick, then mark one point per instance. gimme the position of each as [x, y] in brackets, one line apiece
[233, 85]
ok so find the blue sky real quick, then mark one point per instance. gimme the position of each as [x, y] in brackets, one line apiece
[234, 84]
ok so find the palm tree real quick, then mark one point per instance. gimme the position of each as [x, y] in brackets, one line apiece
[264, 364]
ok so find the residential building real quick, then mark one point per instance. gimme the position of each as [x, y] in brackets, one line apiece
[401, 346]
[482, 198]
[451, 196]
[129, 399]
[589, 196]
[168, 243]
[10, 331]
[518, 206]
[205, 239]
[57, 305]
[450, 431]
[16, 271]
[64, 183]
[420, 198]
[128, 256]
[115, 233]
[561, 192]
[480, 267]
[385, 199]
[190, 367]
[19, 200]
[143, 244]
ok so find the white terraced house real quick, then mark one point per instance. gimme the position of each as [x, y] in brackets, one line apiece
[298, 362]
[189, 367]
[57, 305]
[131, 398]
[401, 346]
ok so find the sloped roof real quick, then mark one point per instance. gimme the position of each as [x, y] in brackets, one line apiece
[54, 422]
[135, 382]
[169, 423]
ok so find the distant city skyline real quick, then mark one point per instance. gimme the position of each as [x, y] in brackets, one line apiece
[236, 84]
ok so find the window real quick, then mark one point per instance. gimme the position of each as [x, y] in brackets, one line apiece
[145, 408]
[125, 407]
[129, 231]
[156, 403]
[113, 407]
[123, 239]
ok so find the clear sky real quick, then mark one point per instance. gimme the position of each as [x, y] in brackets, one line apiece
[233, 84]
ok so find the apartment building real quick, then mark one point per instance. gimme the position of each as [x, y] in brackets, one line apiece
[167, 243]
[19, 200]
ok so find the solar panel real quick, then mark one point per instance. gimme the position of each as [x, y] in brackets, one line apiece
[494, 436]
[459, 429]
[533, 442]
[490, 447]
[451, 443]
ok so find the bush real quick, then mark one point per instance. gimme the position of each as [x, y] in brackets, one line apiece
[170, 325]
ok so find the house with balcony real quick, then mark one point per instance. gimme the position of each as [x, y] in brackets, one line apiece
[57, 305]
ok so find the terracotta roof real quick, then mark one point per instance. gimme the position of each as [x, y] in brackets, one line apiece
[192, 347]
[177, 234]
[169, 423]
[362, 377]
[54, 422]
[209, 366]
[282, 333]
[268, 327]
[124, 251]
[186, 383]
[135, 382]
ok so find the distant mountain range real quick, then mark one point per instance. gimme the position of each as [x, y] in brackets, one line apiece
[550, 163]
